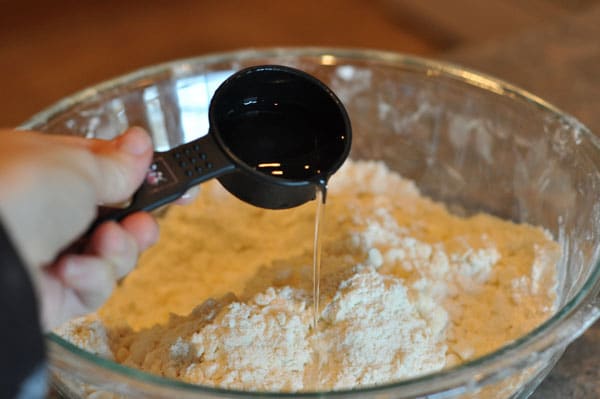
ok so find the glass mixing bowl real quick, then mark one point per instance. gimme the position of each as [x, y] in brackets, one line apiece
[468, 140]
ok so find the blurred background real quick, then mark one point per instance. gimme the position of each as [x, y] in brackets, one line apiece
[49, 49]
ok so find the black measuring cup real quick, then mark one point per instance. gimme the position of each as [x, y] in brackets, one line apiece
[276, 134]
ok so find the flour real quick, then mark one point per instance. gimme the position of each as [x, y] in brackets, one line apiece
[257, 345]
[373, 332]
[407, 289]
[87, 332]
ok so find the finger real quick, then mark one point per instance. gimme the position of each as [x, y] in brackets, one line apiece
[89, 143]
[91, 278]
[189, 196]
[78, 141]
[121, 165]
[111, 242]
[143, 228]
[57, 304]
[114, 169]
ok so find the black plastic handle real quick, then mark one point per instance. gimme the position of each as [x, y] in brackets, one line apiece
[171, 174]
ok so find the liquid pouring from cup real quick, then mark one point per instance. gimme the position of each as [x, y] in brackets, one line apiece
[276, 135]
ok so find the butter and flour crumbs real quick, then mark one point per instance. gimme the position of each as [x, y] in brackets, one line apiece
[406, 289]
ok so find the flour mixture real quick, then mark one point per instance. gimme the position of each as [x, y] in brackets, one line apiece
[225, 299]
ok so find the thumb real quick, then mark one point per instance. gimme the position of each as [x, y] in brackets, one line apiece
[51, 185]
[119, 166]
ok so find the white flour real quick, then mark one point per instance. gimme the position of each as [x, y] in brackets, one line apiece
[88, 333]
[407, 289]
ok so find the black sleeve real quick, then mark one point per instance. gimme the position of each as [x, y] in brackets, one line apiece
[22, 355]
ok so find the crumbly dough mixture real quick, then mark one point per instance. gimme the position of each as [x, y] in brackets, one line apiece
[225, 298]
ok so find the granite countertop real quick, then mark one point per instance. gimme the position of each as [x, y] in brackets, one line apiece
[561, 64]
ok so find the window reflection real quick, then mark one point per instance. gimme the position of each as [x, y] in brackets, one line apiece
[189, 105]
[194, 94]
[156, 120]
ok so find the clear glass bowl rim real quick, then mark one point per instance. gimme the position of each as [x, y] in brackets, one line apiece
[566, 325]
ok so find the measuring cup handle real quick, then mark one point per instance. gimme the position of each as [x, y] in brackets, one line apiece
[171, 174]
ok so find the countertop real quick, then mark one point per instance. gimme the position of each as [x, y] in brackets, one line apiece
[560, 63]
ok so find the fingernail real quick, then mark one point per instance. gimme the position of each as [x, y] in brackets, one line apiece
[135, 141]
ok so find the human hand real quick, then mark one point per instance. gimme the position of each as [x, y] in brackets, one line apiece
[50, 187]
